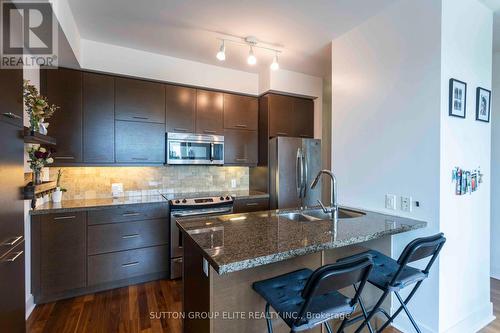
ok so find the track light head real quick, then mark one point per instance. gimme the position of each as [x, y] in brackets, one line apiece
[221, 55]
[251, 60]
[275, 65]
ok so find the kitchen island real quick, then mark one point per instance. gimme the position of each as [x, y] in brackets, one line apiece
[224, 255]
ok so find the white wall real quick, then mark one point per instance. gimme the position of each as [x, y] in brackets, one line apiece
[495, 170]
[467, 34]
[127, 61]
[385, 122]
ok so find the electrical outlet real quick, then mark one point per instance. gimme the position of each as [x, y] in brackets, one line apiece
[390, 201]
[233, 183]
[406, 203]
[117, 190]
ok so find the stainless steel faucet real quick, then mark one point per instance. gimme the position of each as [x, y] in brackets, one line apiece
[334, 208]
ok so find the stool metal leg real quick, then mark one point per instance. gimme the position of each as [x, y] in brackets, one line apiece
[268, 320]
[363, 309]
[373, 312]
[403, 305]
[328, 328]
[401, 308]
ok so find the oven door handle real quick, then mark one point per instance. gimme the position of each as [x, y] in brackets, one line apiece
[206, 212]
[212, 151]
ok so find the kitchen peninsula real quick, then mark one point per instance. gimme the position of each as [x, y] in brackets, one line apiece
[224, 255]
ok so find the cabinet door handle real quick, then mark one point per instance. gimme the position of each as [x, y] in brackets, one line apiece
[209, 131]
[241, 126]
[11, 257]
[140, 158]
[64, 157]
[252, 204]
[281, 133]
[131, 236]
[12, 241]
[304, 136]
[180, 129]
[130, 264]
[12, 115]
[65, 217]
[130, 214]
[141, 118]
[241, 160]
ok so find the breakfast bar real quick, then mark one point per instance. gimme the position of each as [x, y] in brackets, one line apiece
[224, 255]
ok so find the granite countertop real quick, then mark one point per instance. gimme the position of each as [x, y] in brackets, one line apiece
[236, 242]
[67, 206]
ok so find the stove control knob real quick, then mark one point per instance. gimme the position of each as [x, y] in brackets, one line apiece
[228, 198]
[184, 200]
[221, 198]
[177, 201]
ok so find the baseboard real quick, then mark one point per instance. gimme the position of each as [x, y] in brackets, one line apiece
[30, 306]
[409, 327]
[475, 321]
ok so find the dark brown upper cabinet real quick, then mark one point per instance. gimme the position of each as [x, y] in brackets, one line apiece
[240, 147]
[140, 142]
[63, 87]
[240, 112]
[11, 95]
[138, 100]
[180, 108]
[98, 118]
[209, 112]
[280, 116]
[303, 116]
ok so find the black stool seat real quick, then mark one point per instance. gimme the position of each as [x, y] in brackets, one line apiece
[384, 270]
[284, 294]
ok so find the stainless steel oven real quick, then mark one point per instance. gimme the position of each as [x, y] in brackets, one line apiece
[187, 148]
[190, 208]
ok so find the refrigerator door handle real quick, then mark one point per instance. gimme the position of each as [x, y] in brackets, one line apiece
[299, 172]
[304, 176]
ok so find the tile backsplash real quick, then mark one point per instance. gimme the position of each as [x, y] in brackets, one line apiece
[95, 182]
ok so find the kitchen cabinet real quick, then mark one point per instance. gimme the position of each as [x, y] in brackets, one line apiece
[140, 142]
[11, 95]
[59, 254]
[281, 115]
[138, 100]
[98, 118]
[240, 112]
[209, 112]
[180, 108]
[250, 205]
[240, 147]
[63, 87]
[303, 115]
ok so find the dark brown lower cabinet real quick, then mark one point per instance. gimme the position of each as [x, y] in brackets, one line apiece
[140, 142]
[240, 147]
[87, 251]
[250, 205]
[60, 252]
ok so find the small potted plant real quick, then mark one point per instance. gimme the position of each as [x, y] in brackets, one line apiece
[37, 107]
[39, 157]
[57, 194]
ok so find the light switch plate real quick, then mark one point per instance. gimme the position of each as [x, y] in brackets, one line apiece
[406, 203]
[390, 201]
[233, 183]
[117, 190]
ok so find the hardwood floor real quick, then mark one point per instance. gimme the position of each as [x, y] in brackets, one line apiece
[129, 310]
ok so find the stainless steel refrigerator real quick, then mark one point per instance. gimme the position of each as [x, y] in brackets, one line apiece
[293, 164]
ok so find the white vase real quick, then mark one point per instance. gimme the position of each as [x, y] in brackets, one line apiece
[57, 195]
[42, 128]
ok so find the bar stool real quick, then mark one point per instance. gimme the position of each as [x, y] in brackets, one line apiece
[305, 299]
[390, 275]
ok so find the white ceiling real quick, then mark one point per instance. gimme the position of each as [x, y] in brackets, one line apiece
[188, 29]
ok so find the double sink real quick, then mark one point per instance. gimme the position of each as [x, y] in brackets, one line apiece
[311, 215]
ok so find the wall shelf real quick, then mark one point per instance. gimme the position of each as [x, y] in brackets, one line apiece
[37, 138]
[32, 192]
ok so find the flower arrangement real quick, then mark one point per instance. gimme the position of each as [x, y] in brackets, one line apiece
[37, 107]
[39, 157]
[57, 194]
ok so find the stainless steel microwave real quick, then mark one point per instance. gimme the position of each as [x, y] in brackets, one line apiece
[188, 148]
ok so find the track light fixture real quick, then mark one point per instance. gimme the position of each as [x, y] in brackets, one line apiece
[221, 55]
[251, 42]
